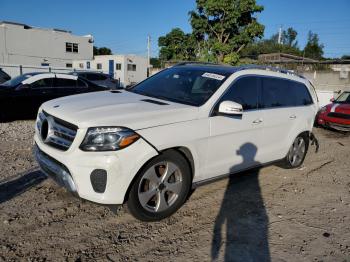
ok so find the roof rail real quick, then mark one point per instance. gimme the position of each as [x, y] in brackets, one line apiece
[270, 68]
[195, 63]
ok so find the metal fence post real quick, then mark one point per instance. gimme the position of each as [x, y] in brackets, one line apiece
[49, 69]
[20, 70]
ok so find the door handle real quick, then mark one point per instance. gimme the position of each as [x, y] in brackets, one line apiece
[257, 121]
[292, 117]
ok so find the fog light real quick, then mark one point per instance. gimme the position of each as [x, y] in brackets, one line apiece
[98, 179]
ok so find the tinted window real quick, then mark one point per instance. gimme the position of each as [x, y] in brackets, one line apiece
[95, 77]
[245, 92]
[276, 93]
[42, 83]
[81, 83]
[62, 82]
[300, 94]
[284, 93]
[92, 77]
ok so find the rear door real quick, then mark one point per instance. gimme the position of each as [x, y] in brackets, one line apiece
[283, 116]
[65, 86]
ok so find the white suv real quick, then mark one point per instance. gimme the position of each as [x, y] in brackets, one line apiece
[182, 127]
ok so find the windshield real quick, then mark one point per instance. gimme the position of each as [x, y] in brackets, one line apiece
[343, 98]
[191, 86]
[17, 80]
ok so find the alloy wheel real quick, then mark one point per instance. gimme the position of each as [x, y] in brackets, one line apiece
[160, 186]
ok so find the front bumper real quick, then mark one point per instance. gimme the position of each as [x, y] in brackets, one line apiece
[335, 123]
[54, 169]
[75, 169]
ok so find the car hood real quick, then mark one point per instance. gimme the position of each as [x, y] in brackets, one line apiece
[340, 108]
[118, 109]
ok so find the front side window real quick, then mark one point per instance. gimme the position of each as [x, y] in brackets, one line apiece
[192, 86]
[245, 92]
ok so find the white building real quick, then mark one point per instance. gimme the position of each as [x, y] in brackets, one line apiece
[129, 69]
[25, 45]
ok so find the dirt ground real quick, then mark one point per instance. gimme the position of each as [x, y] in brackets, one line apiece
[270, 214]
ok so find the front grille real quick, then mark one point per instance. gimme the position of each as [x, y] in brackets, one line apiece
[339, 115]
[55, 132]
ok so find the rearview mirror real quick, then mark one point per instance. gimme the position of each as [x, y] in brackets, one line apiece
[230, 108]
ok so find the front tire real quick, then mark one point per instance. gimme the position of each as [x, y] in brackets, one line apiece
[297, 152]
[161, 187]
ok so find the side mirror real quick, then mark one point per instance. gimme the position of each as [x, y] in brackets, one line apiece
[332, 99]
[230, 108]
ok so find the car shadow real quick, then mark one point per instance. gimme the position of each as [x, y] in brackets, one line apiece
[241, 226]
[23, 182]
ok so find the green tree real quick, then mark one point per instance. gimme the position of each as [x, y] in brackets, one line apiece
[102, 51]
[289, 45]
[176, 45]
[224, 27]
[313, 48]
[155, 62]
[289, 37]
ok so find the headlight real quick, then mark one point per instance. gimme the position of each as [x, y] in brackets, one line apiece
[108, 138]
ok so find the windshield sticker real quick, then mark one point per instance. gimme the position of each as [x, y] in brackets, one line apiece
[213, 76]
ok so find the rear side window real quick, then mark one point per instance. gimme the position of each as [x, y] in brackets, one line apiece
[301, 94]
[62, 82]
[284, 93]
[95, 77]
[42, 83]
[276, 93]
[245, 92]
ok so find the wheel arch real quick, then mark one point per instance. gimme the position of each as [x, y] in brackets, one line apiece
[184, 151]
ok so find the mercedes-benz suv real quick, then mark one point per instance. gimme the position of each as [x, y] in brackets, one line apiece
[185, 126]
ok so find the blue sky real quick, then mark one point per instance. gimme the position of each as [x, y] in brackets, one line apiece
[123, 25]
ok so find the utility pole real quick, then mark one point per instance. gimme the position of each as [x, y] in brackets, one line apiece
[148, 55]
[280, 35]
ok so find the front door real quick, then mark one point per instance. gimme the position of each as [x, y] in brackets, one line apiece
[235, 141]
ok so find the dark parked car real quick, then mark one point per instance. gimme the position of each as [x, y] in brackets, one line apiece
[98, 78]
[4, 76]
[22, 96]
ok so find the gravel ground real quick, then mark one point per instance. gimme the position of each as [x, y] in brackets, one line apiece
[270, 214]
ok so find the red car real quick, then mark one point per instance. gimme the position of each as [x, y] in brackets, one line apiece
[337, 114]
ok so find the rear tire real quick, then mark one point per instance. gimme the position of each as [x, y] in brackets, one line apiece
[297, 152]
[161, 187]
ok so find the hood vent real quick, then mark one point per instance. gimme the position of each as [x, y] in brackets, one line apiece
[154, 102]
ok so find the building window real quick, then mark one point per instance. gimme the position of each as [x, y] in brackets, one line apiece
[81, 65]
[45, 64]
[131, 67]
[69, 65]
[118, 66]
[99, 66]
[72, 47]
